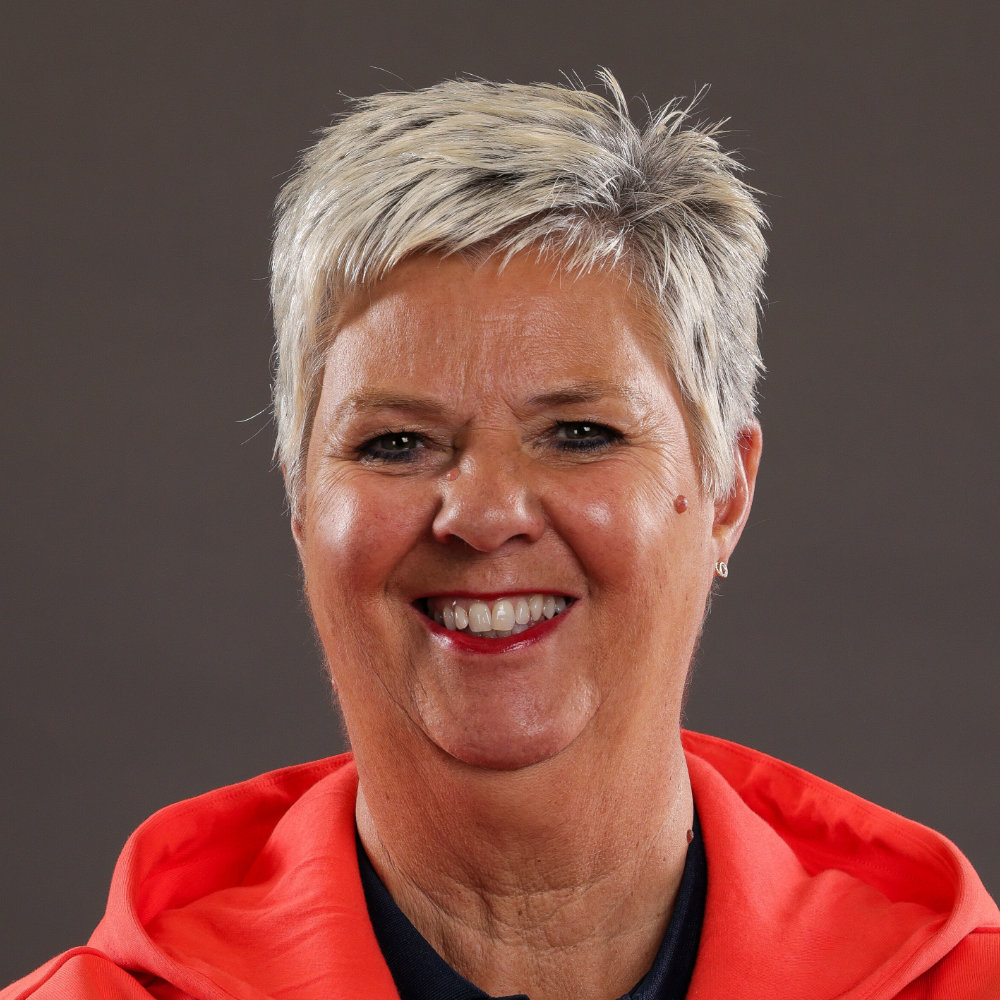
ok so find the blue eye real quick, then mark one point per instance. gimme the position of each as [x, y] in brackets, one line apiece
[395, 446]
[584, 435]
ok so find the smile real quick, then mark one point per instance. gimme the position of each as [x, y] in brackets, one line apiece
[495, 619]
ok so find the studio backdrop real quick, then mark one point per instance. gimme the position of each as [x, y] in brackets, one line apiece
[155, 641]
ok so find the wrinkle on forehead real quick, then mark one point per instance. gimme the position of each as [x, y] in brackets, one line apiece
[522, 338]
[540, 286]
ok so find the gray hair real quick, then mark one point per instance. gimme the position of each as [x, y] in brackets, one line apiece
[470, 165]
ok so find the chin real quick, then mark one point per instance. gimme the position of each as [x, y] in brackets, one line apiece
[504, 724]
[506, 751]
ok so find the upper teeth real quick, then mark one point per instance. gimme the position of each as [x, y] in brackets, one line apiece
[504, 616]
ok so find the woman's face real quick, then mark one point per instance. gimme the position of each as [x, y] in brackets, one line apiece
[488, 439]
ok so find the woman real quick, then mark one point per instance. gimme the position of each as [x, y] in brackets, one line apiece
[515, 403]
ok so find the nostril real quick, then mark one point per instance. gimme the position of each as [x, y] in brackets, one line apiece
[485, 503]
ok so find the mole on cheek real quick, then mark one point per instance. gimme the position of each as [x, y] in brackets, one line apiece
[680, 503]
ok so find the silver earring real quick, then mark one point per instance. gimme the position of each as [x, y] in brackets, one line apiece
[721, 569]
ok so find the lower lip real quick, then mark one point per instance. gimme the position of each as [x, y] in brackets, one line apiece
[475, 644]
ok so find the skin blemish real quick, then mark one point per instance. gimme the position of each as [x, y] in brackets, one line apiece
[680, 503]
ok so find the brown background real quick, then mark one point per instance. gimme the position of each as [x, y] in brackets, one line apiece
[154, 643]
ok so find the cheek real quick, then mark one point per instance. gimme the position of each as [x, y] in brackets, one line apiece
[356, 537]
[617, 528]
[356, 534]
[647, 566]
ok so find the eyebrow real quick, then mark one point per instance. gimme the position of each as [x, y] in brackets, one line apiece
[587, 391]
[373, 399]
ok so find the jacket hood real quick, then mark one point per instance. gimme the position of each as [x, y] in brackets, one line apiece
[813, 891]
[252, 892]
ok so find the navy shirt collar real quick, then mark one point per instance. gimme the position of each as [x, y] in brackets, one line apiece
[420, 973]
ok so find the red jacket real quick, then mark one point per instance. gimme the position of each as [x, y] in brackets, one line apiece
[252, 893]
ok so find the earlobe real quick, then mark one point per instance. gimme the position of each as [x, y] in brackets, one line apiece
[299, 536]
[298, 528]
[298, 533]
[732, 510]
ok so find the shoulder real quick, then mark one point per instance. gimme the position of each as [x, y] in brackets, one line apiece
[184, 895]
[970, 971]
[861, 901]
[80, 974]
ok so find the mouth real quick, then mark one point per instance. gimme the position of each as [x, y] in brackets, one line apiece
[493, 618]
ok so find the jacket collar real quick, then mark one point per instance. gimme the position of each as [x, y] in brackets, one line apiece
[253, 892]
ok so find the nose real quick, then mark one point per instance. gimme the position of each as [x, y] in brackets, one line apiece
[488, 499]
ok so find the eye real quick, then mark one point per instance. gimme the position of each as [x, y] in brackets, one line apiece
[393, 446]
[584, 435]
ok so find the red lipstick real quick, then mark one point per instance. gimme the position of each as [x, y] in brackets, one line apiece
[472, 643]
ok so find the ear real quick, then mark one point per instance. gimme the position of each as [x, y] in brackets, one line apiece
[299, 534]
[732, 510]
[298, 528]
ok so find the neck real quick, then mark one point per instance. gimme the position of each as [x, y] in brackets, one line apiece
[557, 880]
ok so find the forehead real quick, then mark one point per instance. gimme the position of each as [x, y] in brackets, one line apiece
[459, 326]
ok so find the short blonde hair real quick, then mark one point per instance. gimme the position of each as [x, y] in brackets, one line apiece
[470, 164]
